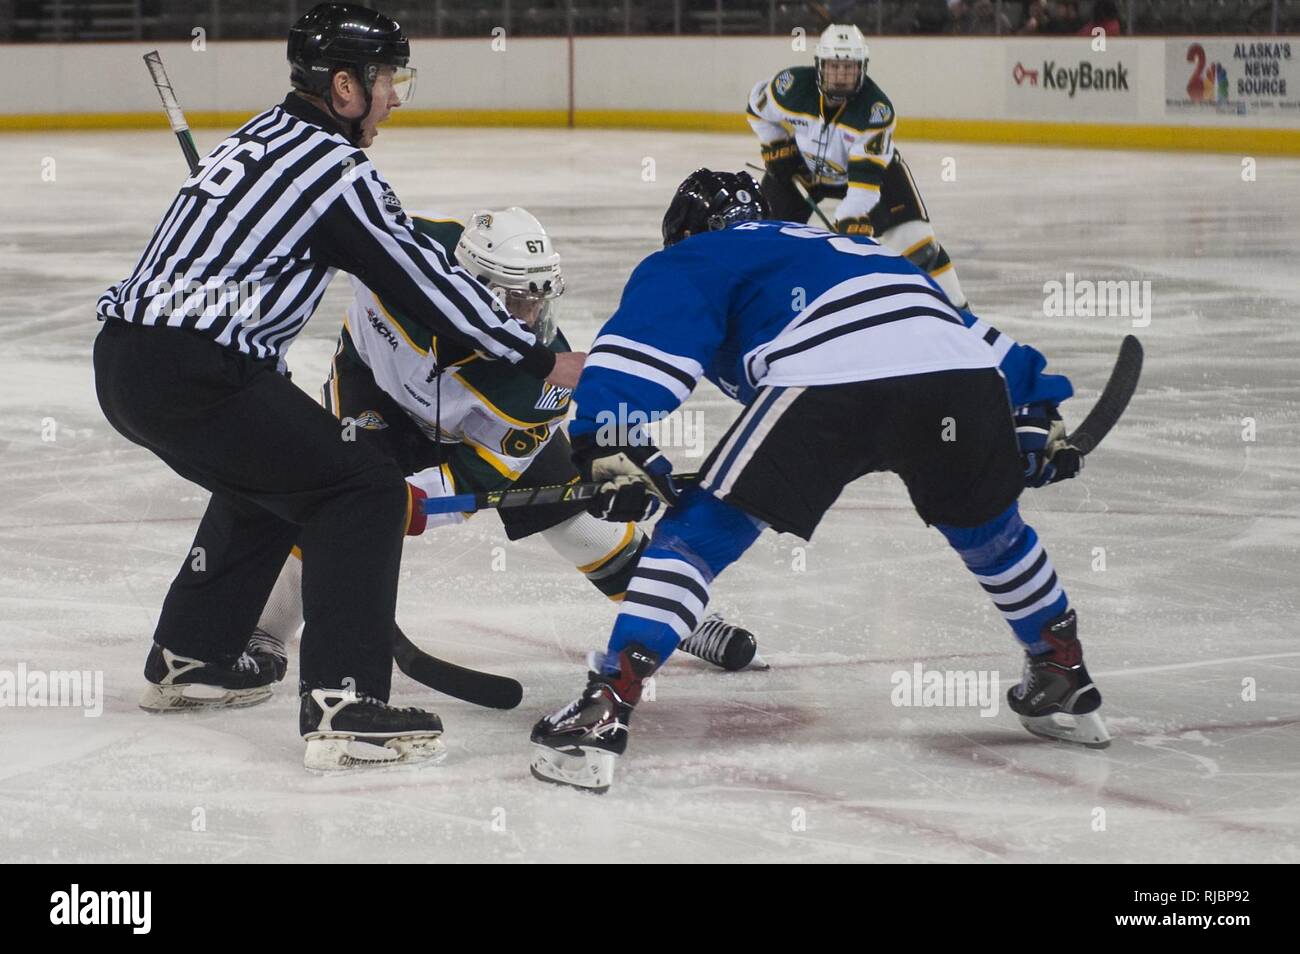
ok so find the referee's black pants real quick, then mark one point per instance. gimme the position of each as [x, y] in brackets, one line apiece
[280, 473]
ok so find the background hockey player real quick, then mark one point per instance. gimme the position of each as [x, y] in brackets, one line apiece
[830, 129]
[877, 373]
[279, 205]
[457, 423]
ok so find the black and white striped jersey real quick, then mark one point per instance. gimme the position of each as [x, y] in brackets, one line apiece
[247, 248]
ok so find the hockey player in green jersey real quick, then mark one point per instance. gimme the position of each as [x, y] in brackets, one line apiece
[830, 129]
[457, 422]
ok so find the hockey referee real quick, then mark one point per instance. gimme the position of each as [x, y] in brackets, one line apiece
[189, 363]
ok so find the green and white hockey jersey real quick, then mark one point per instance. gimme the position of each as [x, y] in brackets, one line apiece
[493, 418]
[846, 146]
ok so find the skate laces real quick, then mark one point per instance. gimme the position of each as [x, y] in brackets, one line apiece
[262, 641]
[709, 641]
[372, 701]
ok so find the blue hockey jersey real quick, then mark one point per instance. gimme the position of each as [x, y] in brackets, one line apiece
[775, 303]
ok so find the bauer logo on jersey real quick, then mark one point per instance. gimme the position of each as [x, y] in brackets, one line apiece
[880, 114]
[553, 398]
[784, 82]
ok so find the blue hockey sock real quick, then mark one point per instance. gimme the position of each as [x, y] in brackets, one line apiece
[695, 541]
[1010, 563]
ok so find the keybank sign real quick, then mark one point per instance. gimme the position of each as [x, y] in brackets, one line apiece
[1084, 76]
[1069, 80]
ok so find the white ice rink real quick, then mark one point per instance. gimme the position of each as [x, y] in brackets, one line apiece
[1190, 628]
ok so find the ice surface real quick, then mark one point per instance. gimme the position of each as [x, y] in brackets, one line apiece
[811, 761]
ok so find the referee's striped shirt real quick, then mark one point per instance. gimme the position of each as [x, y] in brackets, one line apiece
[246, 250]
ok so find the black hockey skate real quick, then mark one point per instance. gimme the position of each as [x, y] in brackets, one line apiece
[1056, 684]
[723, 644]
[578, 744]
[181, 684]
[263, 644]
[346, 730]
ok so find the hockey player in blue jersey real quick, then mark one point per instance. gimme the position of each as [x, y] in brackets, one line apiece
[849, 360]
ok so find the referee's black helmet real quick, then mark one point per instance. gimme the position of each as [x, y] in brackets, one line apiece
[335, 36]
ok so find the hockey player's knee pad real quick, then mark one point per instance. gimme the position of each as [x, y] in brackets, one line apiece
[914, 239]
[991, 542]
[706, 532]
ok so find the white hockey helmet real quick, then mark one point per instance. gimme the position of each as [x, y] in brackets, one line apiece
[510, 252]
[843, 43]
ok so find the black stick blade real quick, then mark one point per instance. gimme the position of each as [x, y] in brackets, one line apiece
[1114, 398]
[481, 688]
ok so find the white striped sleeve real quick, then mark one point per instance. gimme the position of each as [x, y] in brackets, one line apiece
[674, 373]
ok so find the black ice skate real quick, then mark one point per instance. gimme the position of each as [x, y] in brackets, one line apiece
[1055, 697]
[727, 646]
[181, 684]
[346, 730]
[578, 744]
[262, 643]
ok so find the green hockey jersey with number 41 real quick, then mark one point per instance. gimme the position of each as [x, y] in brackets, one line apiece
[849, 145]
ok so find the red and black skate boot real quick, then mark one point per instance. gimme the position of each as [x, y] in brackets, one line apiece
[577, 744]
[1055, 697]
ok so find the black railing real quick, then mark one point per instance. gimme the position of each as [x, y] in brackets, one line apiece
[88, 20]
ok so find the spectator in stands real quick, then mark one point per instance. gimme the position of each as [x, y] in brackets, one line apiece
[933, 16]
[1037, 15]
[1065, 18]
[1105, 16]
[976, 17]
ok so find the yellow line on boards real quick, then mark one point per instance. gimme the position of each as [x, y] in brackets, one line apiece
[1242, 141]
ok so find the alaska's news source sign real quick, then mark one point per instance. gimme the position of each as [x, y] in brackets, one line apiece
[1068, 79]
[1243, 77]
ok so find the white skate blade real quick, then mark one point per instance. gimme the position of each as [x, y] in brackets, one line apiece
[757, 664]
[192, 698]
[1088, 729]
[343, 753]
[591, 771]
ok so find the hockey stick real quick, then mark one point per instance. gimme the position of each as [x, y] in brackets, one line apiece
[1095, 426]
[544, 496]
[480, 688]
[471, 685]
[803, 193]
[1114, 398]
[172, 107]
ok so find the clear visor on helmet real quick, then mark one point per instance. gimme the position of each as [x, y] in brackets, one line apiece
[536, 309]
[839, 77]
[397, 79]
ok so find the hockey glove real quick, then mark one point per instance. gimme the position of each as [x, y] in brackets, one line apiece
[429, 484]
[856, 225]
[1046, 457]
[783, 160]
[635, 481]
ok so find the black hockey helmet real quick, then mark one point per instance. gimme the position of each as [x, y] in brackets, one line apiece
[708, 201]
[346, 36]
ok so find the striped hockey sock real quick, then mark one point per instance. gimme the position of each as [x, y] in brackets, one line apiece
[664, 603]
[1010, 563]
